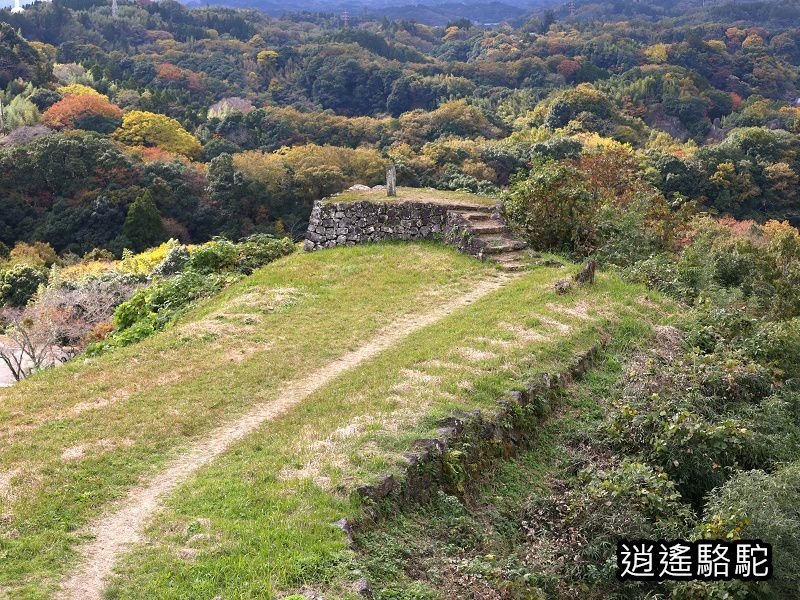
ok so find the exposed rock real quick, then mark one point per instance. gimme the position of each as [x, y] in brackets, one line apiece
[363, 588]
[344, 525]
[562, 287]
[380, 490]
[552, 263]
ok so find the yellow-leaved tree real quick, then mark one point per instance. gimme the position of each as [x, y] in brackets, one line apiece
[141, 128]
[78, 89]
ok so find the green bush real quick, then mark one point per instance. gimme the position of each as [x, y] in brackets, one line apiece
[700, 453]
[624, 236]
[245, 257]
[19, 284]
[166, 298]
[220, 255]
[552, 208]
[207, 271]
[258, 250]
[776, 344]
[628, 500]
[759, 505]
[174, 262]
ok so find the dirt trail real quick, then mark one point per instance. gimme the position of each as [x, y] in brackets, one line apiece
[115, 532]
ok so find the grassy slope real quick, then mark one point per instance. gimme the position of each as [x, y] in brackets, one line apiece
[475, 546]
[77, 437]
[259, 520]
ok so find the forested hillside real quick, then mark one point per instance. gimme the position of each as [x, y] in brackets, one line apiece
[230, 405]
[225, 118]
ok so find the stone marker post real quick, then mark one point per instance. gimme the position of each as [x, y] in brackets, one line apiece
[391, 180]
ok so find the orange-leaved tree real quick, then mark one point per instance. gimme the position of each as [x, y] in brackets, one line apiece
[85, 111]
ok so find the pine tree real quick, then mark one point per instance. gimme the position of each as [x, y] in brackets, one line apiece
[143, 227]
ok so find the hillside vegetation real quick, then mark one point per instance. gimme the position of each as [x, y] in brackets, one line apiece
[225, 399]
[266, 508]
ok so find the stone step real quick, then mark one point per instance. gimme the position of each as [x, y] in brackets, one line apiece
[497, 244]
[513, 266]
[489, 226]
[512, 261]
[476, 208]
[518, 255]
[477, 216]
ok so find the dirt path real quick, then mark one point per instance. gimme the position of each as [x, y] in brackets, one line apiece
[115, 532]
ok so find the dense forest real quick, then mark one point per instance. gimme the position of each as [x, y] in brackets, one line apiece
[234, 122]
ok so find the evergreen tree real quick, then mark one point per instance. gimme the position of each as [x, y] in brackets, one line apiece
[143, 228]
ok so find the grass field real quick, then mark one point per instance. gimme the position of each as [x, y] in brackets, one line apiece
[258, 522]
[408, 194]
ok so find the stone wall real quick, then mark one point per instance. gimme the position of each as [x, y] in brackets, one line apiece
[349, 223]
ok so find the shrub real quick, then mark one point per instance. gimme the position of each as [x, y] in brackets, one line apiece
[253, 252]
[758, 505]
[98, 255]
[162, 301]
[627, 500]
[173, 263]
[699, 453]
[624, 236]
[203, 273]
[258, 250]
[37, 254]
[20, 283]
[216, 256]
[777, 344]
[552, 208]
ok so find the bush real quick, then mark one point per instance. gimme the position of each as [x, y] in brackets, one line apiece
[758, 505]
[19, 284]
[258, 250]
[203, 273]
[251, 253]
[216, 256]
[777, 344]
[625, 236]
[552, 208]
[98, 255]
[177, 258]
[162, 301]
[699, 453]
[628, 500]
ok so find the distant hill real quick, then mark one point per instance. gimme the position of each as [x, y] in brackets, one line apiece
[491, 12]
[430, 13]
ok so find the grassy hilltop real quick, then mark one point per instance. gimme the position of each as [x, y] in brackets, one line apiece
[259, 520]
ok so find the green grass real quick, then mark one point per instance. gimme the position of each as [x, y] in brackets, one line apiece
[76, 438]
[258, 521]
[269, 505]
[457, 547]
[408, 194]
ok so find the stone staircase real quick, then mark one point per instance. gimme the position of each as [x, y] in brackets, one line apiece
[483, 233]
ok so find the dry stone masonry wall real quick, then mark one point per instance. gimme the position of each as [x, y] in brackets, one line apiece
[349, 223]
[474, 229]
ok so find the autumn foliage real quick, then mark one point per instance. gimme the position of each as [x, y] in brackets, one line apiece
[140, 128]
[88, 110]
